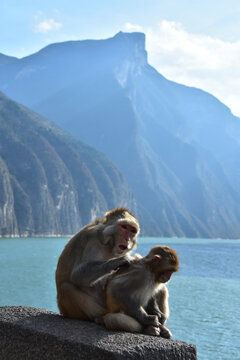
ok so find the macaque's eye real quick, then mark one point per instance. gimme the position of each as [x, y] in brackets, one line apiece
[129, 228]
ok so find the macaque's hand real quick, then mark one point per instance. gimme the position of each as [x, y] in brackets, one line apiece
[155, 320]
[136, 256]
[153, 309]
[161, 317]
[124, 261]
[152, 320]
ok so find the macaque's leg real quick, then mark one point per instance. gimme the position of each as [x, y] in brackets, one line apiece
[158, 305]
[145, 319]
[152, 308]
[131, 308]
[76, 304]
[122, 322]
[162, 300]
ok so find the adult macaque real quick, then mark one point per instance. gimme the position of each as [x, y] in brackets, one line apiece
[131, 293]
[97, 249]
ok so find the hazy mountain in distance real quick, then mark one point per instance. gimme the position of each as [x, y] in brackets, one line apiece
[51, 183]
[178, 147]
[4, 59]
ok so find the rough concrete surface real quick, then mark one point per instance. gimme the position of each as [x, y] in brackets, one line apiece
[30, 333]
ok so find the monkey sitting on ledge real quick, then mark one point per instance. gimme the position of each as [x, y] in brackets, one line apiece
[130, 293]
[95, 251]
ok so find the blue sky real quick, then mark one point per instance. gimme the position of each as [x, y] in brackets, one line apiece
[193, 42]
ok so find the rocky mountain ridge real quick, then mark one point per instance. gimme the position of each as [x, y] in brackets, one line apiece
[178, 147]
[50, 183]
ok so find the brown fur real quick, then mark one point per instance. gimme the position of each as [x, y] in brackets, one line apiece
[142, 277]
[89, 255]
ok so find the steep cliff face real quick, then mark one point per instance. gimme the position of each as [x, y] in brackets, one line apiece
[8, 223]
[49, 182]
[178, 147]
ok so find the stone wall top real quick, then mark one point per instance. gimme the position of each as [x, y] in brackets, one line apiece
[30, 333]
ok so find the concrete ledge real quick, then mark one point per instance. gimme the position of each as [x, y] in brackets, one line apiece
[29, 333]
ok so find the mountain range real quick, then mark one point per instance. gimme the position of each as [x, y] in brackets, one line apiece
[51, 183]
[176, 146]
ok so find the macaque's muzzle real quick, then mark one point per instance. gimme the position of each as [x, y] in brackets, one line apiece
[165, 276]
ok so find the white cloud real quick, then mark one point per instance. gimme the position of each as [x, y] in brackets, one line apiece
[47, 25]
[132, 27]
[195, 60]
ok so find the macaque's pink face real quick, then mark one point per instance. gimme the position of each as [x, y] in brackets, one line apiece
[127, 237]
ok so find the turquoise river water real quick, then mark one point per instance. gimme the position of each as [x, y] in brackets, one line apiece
[204, 294]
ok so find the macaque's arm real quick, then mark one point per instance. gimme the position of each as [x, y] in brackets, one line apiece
[131, 308]
[152, 308]
[145, 319]
[88, 272]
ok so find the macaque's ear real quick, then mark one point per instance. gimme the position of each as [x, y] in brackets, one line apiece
[107, 235]
[151, 259]
[106, 240]
[101, 238]
[156, 258]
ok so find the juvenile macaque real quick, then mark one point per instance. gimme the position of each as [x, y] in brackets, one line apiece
[97, 249]
[131, 293]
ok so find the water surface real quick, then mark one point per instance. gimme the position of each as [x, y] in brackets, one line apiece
[204, 295]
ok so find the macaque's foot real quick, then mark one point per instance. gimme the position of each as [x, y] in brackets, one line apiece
[152, 330]
[152, 320]
[165, 332]
[99, 320]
